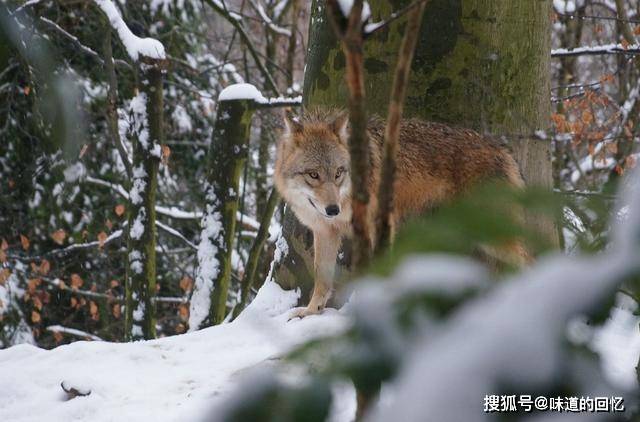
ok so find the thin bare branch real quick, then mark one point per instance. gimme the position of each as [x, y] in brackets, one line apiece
[73, 332]
[384, 230]
[257, 6]
[372, 28]
[352, 46]
[76, 42]
[593, 17]
[236, 22]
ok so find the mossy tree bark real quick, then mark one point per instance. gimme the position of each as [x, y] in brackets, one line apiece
[482, 64]
[147, 131]
[226, 160]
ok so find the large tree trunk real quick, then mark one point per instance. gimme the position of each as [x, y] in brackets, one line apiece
[482, 64]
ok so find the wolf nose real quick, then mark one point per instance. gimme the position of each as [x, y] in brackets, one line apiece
[332, 210]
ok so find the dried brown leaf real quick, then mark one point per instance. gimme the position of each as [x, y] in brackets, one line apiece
[166, 152]
[5, 273]
[35, 317]
[24, 240]
[59, 236]
[76, 281]
[93, 311]
[183, 312]
[37, 303]
[102, 237]
[45, 267]
[119, 210]
[32, 284]
[186, 283]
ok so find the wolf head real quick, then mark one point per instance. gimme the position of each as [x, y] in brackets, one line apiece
[312, 165]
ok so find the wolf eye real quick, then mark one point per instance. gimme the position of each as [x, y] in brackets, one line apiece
[339, 172]
[313, 174]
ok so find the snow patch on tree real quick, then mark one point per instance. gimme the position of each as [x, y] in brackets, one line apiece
[208, 265]
[135, 262]
[139, 122]
[138, 185]
[74, 172]
[137, 228]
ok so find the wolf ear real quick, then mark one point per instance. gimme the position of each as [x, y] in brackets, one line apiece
[292, 123]
[339, 126]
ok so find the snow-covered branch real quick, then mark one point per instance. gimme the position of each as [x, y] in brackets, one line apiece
[591, 162]
[76, 42]
[257, 6]
[78, 246]
[597, 49]
[27, 4]
[136, 47]
[236, 22]
[175, 233]
[72, 331]
[119, 189]
[279, 102]
[244, 91]
[171, 212]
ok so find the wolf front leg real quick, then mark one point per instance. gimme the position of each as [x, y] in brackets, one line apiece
[325, 247]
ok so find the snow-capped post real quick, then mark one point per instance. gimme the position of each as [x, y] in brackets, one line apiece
[225, 161]
[146, 117]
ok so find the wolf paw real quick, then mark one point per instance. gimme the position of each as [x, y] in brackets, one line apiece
[303, 312]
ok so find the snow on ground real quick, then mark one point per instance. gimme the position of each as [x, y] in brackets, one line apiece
[618, 344]
[183, 377]
[170, 379]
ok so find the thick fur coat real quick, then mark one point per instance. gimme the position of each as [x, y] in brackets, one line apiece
[435, 163]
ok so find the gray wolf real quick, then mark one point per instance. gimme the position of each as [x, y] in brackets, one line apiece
[435, 162]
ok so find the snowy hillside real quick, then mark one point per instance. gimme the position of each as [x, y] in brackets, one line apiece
[183, 377]
[171, 379]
